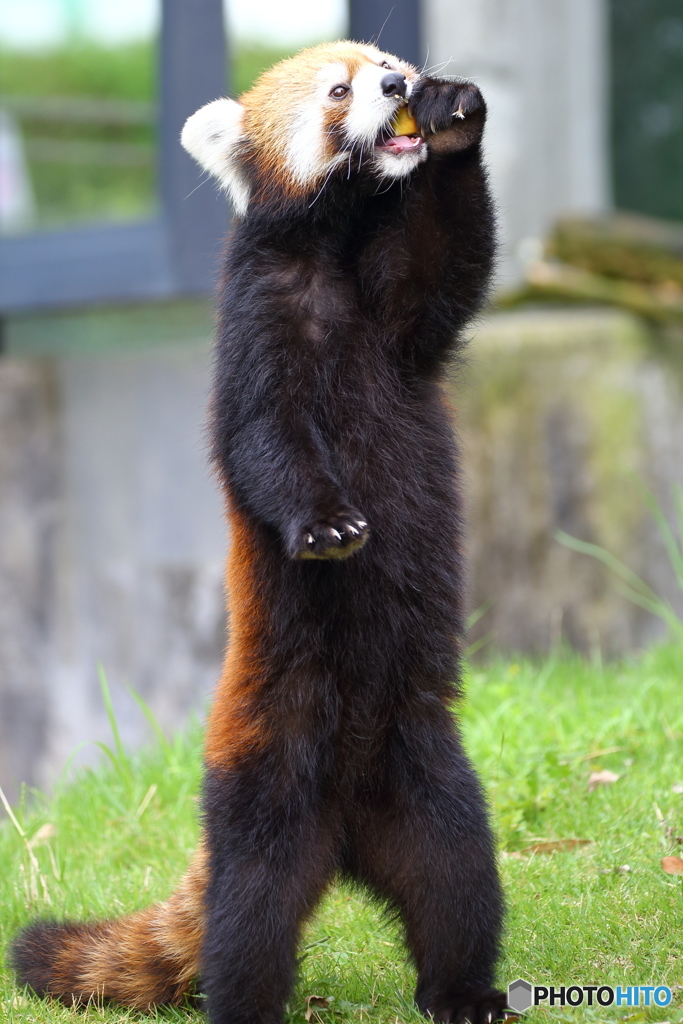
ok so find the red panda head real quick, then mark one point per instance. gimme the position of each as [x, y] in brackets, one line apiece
[327, 110]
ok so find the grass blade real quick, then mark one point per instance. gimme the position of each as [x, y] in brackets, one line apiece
[153, 722]
[113, 725]
[633, 587]
[478, 613]
[671, 544]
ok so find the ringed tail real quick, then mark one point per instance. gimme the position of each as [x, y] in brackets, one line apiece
[143, 960]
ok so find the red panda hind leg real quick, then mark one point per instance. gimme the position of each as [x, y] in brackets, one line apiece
[143, 960]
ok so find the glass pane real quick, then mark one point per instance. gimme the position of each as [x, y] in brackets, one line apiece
[77, 112]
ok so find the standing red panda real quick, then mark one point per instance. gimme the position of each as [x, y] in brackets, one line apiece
[357, 258]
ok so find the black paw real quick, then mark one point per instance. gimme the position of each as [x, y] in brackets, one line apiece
[440, 105]
[476, 1006]
[336, 536]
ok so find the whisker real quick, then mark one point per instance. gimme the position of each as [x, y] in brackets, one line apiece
[329, 175]
[441, 64]
[437, 67]
[376, 39]
[202, 182]
[391, 182]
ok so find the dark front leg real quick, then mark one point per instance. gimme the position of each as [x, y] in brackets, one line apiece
[427, 849]
[279, 467]
[444, 243]
[272, 853]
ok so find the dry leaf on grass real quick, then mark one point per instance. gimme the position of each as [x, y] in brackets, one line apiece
[556, 845]
[16, 1003]
[44, 833]
[314, 1003]
[672, 865]
[603, 778]
[600, 753]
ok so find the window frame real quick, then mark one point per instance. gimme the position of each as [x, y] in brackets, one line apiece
[172, 254]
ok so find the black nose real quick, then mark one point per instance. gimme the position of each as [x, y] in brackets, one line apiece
[394, 84]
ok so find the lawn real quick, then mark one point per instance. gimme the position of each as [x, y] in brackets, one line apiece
[602, 912]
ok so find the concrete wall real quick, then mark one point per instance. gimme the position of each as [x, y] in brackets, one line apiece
[112, 534]
[568, 419]
[543, 67]
[30, 514]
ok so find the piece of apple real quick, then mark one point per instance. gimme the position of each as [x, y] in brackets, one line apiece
[404, 123]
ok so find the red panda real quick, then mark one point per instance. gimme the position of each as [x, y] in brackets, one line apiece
[357, 257]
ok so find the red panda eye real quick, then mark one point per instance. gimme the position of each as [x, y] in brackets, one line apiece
[339, 91]
[386, 64]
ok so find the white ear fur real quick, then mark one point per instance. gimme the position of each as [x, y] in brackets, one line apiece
[212, 136]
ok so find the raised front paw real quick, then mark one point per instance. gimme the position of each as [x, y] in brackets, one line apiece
[450, 115]
[337, 536]
[477, 1006]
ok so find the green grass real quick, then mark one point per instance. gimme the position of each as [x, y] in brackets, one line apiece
[536, 732]
[125, 72]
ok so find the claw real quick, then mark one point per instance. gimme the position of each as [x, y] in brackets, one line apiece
[336, 533]
[459, 113]
[309, 539]
[361, 524]
[352, 529]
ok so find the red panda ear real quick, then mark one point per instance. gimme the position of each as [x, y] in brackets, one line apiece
[213, 136]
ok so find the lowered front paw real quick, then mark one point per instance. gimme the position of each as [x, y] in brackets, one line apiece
[336, 536]
[451, 115]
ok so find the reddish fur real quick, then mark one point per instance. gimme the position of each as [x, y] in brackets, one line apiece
[232, 728]
[142, 960]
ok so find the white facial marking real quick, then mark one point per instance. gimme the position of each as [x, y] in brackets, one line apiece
[306, 149]
[370, 109]
[390, 165]
[213, 136]
[305, 143]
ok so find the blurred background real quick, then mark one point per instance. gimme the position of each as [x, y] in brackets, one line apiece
[570, 405]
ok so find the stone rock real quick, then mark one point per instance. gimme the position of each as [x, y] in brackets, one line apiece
[565, 416]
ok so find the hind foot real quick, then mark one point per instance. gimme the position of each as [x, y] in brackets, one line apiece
[476, 1006]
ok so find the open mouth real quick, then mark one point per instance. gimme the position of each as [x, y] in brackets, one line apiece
[398, 144]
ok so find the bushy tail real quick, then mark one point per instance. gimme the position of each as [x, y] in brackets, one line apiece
[142, 960]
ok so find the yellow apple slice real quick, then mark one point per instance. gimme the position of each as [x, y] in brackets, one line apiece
[404, 123]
